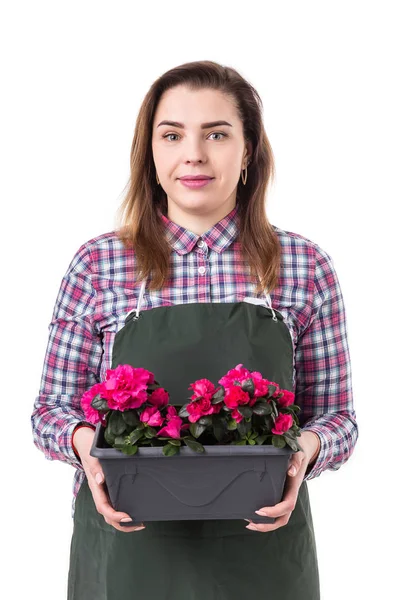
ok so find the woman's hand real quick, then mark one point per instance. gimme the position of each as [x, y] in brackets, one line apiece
[300, 460]
[83, 440]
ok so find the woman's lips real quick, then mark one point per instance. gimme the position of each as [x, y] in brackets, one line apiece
[195, 183]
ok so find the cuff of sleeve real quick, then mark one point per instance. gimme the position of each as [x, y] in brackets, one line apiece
[66, 442]
[325, 452]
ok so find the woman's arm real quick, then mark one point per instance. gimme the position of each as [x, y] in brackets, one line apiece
[72, 358]
[323, 373]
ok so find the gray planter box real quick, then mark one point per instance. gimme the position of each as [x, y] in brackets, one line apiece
[224, 482]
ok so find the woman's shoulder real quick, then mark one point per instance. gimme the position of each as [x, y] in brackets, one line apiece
[101, 252]
[295, 244]
[109, 239]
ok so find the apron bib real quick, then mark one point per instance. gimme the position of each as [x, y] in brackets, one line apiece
[209, 559]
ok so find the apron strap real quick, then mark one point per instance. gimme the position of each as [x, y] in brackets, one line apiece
[143, 286]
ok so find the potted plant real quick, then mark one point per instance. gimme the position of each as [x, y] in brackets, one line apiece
[220, 455]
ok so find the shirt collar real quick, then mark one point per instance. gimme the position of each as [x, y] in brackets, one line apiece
[217, 238]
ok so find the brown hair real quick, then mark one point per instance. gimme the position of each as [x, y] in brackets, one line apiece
[141, 226]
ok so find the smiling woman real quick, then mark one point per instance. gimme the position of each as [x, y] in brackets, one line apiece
[194, 245]
[198, 162]
[204, 121]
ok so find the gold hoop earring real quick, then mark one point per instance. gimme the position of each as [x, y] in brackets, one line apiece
[245, 179]
[158, 181]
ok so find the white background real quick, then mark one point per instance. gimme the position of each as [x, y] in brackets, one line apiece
[73, 77]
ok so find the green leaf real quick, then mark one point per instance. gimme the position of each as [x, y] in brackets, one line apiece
[170, 450]
[291, 442]
[175, 442]
[131, 417]
[251, 442]
[196, 430]
[207, 420]
[109, 437]
[183, 411]
[243, 427]
[99, 403]
[278, 441]
[296, 419]
[193, 445]
[150, 432]
[129, 450]
[120, 441]
[248, 386]
[218, 428]
[261, 439]
[275, 411]
[246, 411]
[116, 423]
[135, 435]
[262, 408]
[272, 389]
[232, 425]
[218, 396]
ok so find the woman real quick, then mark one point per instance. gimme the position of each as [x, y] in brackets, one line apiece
[186, 241]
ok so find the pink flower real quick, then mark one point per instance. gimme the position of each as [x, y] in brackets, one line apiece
[171, 412]
[239, 373]
[260, 386]
[278, 389]
[200, 408]
[126, 387]
[172, 429]
[152, 416]
[159, 398]
[203, 387]
[282, 423]
[235, 396]
[286, 399]
[236, 415]
[91, 414]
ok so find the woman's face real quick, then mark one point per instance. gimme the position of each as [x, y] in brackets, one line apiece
[185, 146]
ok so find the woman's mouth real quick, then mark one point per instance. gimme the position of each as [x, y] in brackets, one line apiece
[195, 183]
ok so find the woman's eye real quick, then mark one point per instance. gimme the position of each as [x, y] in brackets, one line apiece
[219, 133]
[167, 135]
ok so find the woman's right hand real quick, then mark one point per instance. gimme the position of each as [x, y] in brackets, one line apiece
[83, 440]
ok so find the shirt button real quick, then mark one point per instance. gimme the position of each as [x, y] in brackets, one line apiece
[202, 270]
[200, 243]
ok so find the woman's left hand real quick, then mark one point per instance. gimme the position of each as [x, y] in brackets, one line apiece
[310, 443]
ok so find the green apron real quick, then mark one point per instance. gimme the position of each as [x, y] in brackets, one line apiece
[202, 559]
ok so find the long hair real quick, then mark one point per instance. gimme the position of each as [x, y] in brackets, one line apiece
[140, 224]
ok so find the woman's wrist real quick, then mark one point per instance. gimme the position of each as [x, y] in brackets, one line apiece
[75, 438]
[318, 448]
[312, 444]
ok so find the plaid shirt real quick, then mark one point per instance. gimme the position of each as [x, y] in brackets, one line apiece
[97, 292]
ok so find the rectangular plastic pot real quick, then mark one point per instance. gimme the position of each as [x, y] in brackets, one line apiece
[224, 482]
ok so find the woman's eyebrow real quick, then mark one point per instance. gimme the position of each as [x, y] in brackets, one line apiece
[203, 125]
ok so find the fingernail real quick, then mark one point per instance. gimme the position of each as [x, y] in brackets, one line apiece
[262, 513]
[251, 527]
[99, 478]
[125, 520]
[139, 528]
[292, 471]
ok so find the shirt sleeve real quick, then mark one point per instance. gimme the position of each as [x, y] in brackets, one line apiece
[323, 372]
[71, 364]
